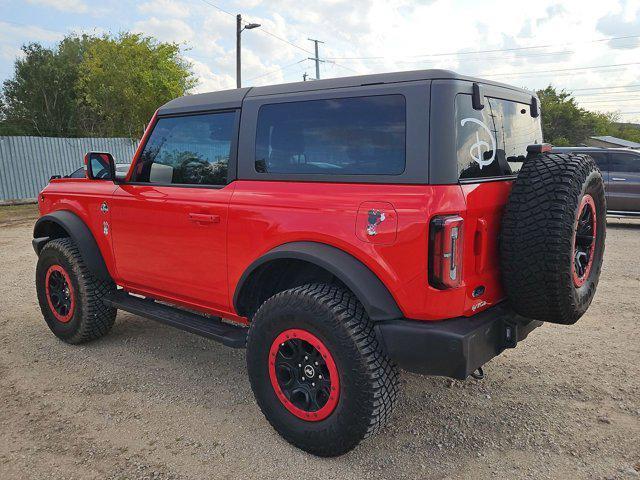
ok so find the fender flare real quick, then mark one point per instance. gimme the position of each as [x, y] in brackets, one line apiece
[367, 287]
[78, 231]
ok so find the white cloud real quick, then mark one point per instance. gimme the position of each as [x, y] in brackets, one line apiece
[620, 25]
[166, 30]
[403, 34]
[13, 36]
[76, 6]
[168, 8]
[209, 81]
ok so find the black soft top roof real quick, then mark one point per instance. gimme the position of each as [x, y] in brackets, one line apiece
[233, 98]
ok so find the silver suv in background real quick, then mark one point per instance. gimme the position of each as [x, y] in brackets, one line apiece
[621, 172]
[121, 171]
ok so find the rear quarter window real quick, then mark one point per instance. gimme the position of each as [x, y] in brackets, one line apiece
[492, 142]
[340, 136]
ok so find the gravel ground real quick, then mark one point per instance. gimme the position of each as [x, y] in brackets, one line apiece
[148, 401]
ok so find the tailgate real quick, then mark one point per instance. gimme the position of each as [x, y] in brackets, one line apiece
[481, 269]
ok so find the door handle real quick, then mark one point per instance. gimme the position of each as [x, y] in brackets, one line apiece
[204, 218]
[618, 179]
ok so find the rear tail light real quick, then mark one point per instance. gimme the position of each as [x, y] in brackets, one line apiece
[445, 247]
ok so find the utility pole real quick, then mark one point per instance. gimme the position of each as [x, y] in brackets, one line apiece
[239, 29]
[317, 57]
[238, 43]
[304, 76]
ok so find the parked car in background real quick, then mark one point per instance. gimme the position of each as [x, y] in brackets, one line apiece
[621, 173]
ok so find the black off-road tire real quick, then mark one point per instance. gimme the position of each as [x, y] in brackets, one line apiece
[368, 380]
[90, 318]
[538, 235]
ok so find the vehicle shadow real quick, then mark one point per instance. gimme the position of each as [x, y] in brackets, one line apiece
[435, 416]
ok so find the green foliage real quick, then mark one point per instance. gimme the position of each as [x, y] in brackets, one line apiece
[124, 80]
[40, 98]
[564, 123]
[92, 86]
[628, 131]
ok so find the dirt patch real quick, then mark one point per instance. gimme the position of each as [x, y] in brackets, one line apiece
[13, 214]
[151, 402]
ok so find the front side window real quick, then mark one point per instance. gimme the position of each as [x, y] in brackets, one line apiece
[624, 162]
[341, 136]
[492, 142]
[188, 150]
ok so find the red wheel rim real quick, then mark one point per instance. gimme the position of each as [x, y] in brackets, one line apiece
[60, 293]
[584, 241]
[304, 375]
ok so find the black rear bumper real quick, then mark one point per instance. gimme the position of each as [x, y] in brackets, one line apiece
[456, 347]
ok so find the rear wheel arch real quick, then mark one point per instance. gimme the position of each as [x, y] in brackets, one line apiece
[312, 262]
[63, 223]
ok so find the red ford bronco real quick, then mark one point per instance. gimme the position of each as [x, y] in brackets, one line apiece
[339, 230]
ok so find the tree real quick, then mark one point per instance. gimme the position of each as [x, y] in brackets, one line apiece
[88, 86]
[41, 99]
[628, 131]
[564, 123]
[123, 80]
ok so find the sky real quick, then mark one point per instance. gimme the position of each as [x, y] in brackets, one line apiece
[590, 48]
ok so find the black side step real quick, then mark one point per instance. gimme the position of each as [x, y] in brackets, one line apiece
[210, 327]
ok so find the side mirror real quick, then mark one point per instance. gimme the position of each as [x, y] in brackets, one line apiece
[99, 166]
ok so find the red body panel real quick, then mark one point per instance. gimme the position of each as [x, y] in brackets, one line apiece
[264, 215]
[84, 198]
[171, 242]
[485, 203]
[158, 247]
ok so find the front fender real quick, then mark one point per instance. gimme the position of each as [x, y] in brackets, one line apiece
[61, 222]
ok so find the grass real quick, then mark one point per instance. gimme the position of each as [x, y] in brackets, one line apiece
[17, 213]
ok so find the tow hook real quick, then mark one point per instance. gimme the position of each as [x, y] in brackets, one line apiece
[478, 374]
[510, 335]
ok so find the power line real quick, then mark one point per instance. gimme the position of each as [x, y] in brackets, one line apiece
[343, 66]
[263, 30]
[607, 96]
[482, 59]
[605, 88]
[277, 70]
[594, 67]
[624, 92]
[611, 101]
[492, 50]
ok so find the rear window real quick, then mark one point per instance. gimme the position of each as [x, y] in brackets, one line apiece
[341, 136]
[492, 142]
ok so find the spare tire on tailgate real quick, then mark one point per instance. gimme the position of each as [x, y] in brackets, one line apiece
[552, 239]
